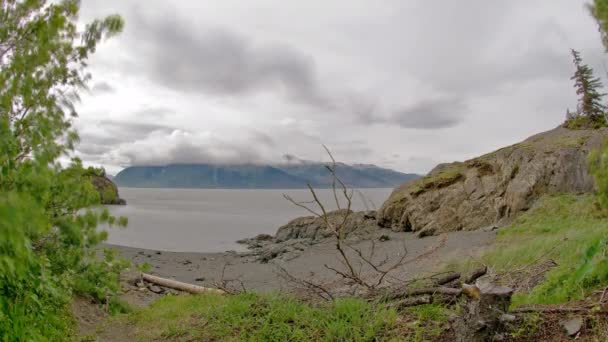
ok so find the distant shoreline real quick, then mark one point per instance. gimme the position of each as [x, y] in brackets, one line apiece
[244, 189]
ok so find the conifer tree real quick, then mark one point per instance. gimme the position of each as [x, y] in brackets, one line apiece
[590, 106]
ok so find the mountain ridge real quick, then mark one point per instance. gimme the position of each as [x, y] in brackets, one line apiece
[252, 176]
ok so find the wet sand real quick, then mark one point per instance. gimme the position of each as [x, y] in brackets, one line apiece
[424, 256]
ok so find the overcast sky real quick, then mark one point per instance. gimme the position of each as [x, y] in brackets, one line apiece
[404, 84]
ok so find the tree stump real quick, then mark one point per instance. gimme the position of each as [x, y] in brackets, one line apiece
[481, 319]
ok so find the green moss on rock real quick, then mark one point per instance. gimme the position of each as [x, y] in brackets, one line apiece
[108, 191]
[437, 180]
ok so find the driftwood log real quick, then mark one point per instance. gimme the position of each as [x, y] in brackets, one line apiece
[178, 285]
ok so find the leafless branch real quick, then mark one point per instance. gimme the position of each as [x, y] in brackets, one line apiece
[317, 289]
[224, 284]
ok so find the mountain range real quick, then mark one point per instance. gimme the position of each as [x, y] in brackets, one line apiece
[250, 176]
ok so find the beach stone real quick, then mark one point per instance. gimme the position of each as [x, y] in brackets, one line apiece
[155, 289]
[572, 326]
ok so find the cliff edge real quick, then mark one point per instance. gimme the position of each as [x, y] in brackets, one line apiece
[492, 189]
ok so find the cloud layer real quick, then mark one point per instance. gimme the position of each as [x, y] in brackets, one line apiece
[401, 84]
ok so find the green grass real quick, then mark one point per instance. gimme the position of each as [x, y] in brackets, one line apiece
[429, 322]
[566, 229]
[253, 317]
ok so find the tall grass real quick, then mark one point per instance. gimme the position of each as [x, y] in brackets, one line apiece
[566, 229]
[253, 317]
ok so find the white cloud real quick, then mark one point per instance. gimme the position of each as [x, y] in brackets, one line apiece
[427, 81]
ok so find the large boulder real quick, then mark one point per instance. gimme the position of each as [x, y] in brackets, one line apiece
[314, 228]
[300, 233]
[492, 189]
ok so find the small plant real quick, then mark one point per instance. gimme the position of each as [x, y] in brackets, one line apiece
[530, 325]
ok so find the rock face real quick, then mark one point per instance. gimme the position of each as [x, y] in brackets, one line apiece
[492, 189]
[302, 232]
[314, 228]
[107, 190]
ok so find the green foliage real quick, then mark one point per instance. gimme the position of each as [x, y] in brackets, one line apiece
[530, 325]
[598, 166]
[253, 317]
[95, 171]
[599, 11]
[591, 112]
[47, 231]
[566, 229]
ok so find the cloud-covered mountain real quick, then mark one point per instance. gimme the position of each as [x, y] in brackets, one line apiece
[285, 176]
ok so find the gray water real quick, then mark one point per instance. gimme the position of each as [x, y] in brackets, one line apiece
[212, 220]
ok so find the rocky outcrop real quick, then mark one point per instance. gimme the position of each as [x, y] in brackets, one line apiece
[107, 190]
[492, 189]
[314, 228]
[302, 232]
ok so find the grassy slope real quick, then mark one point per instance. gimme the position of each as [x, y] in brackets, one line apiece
[252, 317]
[565, 229]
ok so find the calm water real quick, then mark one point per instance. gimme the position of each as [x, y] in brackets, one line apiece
[201, 220]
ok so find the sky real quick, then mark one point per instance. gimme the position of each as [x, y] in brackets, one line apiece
[403, 84]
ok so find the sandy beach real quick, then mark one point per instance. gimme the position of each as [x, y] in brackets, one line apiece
[424, 256]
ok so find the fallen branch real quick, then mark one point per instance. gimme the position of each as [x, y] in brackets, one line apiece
[478, 273]
[584, 309]
[426, 299]
[448, 278]
[178, 285]
[424, 291]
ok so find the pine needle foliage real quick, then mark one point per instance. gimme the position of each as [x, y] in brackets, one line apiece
[591, 112]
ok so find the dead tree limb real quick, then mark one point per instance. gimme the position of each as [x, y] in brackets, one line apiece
[478, 273]
[426, 299]
[178, 285]
[448, 278]
[316, 289]
[224, 284]
[423, 291]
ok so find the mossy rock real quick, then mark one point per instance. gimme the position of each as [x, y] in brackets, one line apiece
[493, 189]
[108, 191]
[438, 179]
